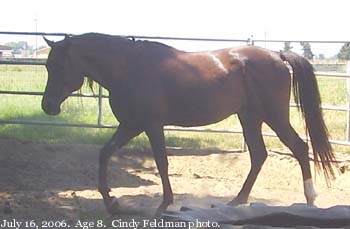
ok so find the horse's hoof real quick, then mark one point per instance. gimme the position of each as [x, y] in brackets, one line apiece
[311, 204]
[114, 208]
[311, 201]
[236, 202]
[161, 209]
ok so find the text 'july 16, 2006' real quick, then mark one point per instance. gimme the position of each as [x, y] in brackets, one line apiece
[117, 223]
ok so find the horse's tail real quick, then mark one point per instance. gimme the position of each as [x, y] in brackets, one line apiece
[307, 96]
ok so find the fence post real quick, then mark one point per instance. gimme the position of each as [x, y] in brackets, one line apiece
[99, 118]
[244, 144]
[348, 101]
[250, 42]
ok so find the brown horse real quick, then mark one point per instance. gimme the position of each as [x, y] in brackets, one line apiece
[152, 85]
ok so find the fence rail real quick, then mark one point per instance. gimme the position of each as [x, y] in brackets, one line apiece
[100, 94]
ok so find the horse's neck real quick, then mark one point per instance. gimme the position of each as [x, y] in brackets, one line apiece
[96, 72]
[101, 64]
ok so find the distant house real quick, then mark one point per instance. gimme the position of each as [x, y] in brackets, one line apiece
[6, 51]
[42, 53]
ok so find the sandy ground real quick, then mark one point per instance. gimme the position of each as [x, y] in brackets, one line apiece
[59, 182]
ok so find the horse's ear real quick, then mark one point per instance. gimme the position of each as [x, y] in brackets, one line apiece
[50, 43]
[67, 40]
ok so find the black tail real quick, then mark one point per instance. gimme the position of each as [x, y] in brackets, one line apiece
[307, 95]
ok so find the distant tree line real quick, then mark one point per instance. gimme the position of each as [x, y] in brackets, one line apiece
[306, 47]
[343, 54]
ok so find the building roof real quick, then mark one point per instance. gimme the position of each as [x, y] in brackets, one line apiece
[44, 50]
[4, 47]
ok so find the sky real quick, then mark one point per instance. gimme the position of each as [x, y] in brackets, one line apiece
[268, 19]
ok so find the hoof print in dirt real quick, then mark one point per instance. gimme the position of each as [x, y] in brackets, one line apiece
[7, 209]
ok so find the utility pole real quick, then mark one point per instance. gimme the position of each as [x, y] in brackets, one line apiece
[36, 36]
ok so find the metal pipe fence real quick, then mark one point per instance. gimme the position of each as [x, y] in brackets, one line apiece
[99, 96]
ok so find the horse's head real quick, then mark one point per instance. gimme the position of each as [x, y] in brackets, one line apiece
[64, 76]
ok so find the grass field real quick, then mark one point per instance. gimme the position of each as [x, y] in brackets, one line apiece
[84, 110]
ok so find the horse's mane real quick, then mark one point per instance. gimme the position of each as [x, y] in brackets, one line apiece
[128, 40]
[100, 37]
[90, 83]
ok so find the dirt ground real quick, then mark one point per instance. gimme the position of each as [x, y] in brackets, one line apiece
[55, 182]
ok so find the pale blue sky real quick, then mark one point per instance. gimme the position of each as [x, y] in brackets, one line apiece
[271, 19]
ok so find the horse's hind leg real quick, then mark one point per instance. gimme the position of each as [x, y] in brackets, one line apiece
[121, 137]
[290, 138]
[251, 125]
[155, 135]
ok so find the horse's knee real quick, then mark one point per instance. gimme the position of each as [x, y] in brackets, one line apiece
[261, 156]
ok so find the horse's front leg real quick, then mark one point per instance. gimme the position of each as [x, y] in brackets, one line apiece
[155, 135]
[121, 137]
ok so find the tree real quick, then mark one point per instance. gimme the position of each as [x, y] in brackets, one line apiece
[287, 47]
[321, 56]
[19, 46]
[307, 53]
[344, 53]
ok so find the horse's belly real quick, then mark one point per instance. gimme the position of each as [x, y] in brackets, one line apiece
[203, 109]
[199, 119]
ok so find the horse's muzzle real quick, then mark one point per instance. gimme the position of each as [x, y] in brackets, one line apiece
[50, 108]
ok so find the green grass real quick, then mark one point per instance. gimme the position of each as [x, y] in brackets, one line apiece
[84, 110]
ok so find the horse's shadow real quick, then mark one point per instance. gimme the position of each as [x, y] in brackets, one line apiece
[43, 181]
[90, 209]
[39, 167]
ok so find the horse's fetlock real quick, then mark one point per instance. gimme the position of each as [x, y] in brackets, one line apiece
[104, 190]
